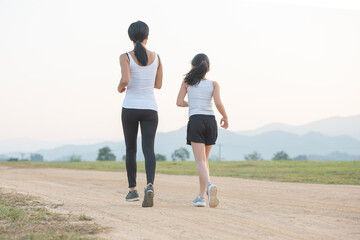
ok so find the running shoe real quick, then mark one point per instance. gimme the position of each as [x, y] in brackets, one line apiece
[199, 201]
[132, 196]
[212, 192]
[148, 196]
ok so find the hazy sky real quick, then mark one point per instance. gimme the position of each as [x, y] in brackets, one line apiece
[276, 61]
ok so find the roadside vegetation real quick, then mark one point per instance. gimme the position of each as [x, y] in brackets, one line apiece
[283, 170]
[24, 217]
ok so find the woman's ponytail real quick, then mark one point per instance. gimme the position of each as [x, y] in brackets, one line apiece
[200, 65]
[140, 53]
[138, 32]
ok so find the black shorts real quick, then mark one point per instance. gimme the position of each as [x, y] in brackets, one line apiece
[202, 129]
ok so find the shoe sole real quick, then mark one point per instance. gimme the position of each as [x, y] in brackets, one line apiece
[213, 200]
[148, 199]
[132, 199]
[199, 204]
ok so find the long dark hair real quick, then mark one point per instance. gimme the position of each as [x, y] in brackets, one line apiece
[138, 31]
[200, 65]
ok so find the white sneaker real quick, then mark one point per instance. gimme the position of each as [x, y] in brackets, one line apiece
[212, 192]
[199, 201]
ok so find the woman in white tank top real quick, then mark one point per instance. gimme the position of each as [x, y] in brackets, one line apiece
[141, 72]
[202, 126]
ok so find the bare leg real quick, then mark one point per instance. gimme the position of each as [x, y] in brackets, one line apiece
[207, 150]
[202, 184]
[201, 165]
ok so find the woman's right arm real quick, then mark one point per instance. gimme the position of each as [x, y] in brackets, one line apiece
[224, 122]
[125, 73]
[159, 75]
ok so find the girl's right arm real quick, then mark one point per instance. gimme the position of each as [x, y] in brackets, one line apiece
[224, 122]
[181, 96]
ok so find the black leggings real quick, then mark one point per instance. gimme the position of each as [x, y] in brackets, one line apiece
[148, 120]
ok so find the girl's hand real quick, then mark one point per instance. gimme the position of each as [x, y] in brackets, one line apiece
[123, 90]
[224, 123]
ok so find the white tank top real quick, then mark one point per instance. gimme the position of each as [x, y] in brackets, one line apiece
[140, 90]
[200, 98]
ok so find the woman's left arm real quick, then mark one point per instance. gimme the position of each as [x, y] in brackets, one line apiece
[159, 75]
[181, 96]
[125, 73]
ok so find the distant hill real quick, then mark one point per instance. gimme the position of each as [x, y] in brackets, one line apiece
[3, 158]
[233, 146]
[335, 156]
[165, 144]
[336, 138]
[31, 145]
[270, 142]
[87, 152]
[334, 126]
[24, 144]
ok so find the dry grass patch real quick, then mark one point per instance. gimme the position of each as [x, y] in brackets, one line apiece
[23, 217]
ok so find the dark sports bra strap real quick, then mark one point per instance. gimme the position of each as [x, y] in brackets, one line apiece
[128, 56]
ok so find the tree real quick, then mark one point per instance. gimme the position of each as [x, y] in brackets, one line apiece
[36, 157]
[105, 154]
[160, 157]
[253, 156]
[180, 154]
[124, 157]
[75, 158]
[301, 158]
[281, 156]
[13, 160]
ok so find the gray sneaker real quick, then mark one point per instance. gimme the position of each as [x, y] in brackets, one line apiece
[132, 196]
[199, 201]
[212, 192]
[148, 196]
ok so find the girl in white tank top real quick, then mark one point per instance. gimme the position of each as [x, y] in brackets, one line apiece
[202, 128]
[200, 98]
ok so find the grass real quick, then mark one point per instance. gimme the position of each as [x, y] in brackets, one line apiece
[284, 171]
[23, 217]
[83, 217]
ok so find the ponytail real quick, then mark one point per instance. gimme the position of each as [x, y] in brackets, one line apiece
[140, 53]
[138, 32]
[200, 65]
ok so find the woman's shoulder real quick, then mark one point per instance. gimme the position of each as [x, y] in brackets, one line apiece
[124, 56]
[152, 54]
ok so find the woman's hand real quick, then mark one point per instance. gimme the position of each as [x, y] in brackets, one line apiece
[224, 123]
[122, 90]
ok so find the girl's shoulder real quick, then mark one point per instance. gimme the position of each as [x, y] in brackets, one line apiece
[184, 84]
[215, 84]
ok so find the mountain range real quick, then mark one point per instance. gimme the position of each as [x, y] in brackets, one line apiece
[334, 126]
[336, 138]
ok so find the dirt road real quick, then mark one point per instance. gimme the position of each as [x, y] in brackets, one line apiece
[248, 209]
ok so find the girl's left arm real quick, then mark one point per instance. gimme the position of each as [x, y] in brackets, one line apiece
[181, 96]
